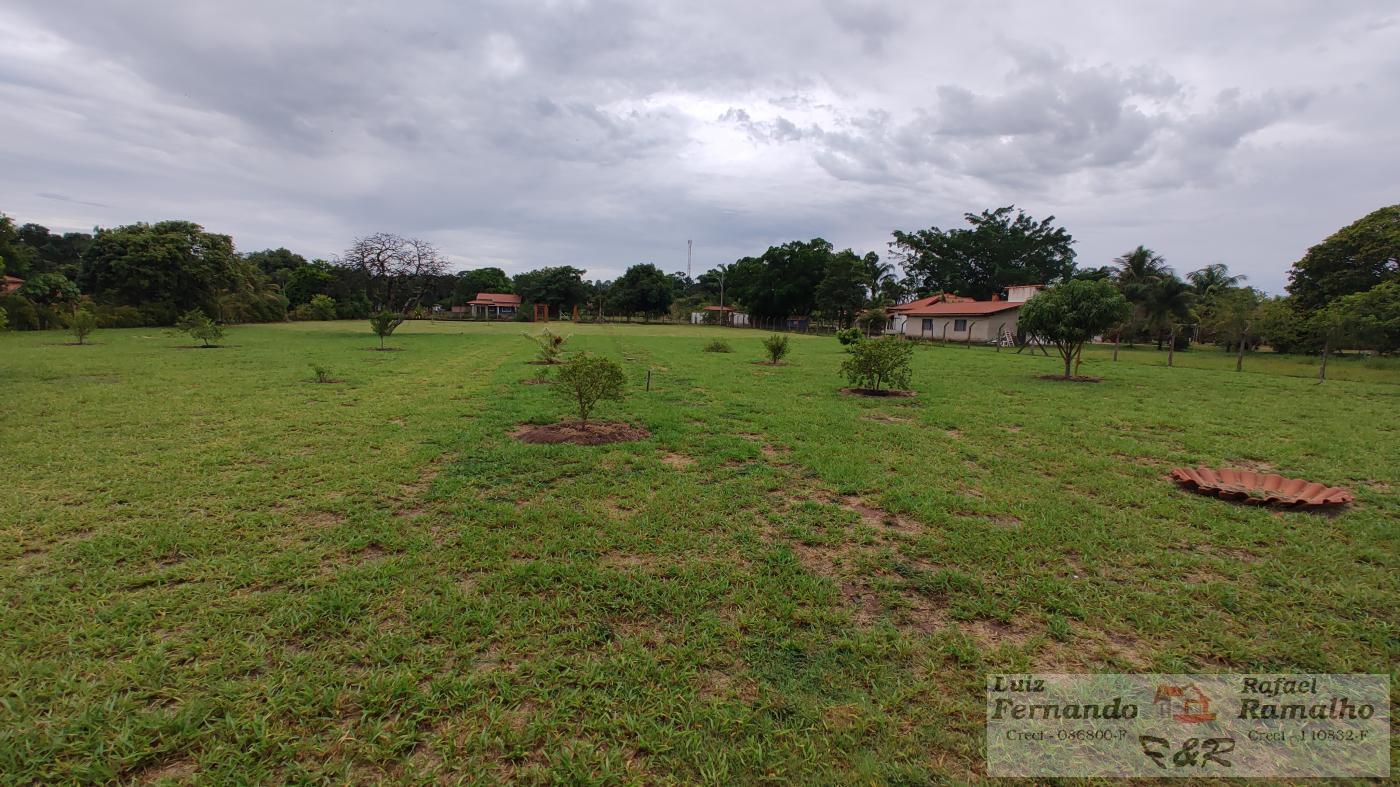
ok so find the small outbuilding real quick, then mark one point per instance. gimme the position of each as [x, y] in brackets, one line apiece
[493, 305]
[947, 317]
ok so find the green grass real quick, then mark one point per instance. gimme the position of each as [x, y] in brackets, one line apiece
[217, 569]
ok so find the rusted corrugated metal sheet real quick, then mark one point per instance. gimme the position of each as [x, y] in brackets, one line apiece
[1260, 488]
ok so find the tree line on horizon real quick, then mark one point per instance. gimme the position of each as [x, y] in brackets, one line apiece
[1343, 291]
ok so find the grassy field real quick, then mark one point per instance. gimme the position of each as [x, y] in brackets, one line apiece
[215, 569]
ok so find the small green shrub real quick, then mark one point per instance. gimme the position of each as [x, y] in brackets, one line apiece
[551, 345]
[849, 336]
[383, 325]
[81, 324]
[322, 372]
[586, 379]
[879, 363]
[198, 325]
[718, 346]
[777, 348]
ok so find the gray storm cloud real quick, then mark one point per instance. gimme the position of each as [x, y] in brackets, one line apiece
[602, 134]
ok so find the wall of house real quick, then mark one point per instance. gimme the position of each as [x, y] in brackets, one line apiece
[979, 329]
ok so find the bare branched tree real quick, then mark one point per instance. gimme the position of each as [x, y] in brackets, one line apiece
[397, 269]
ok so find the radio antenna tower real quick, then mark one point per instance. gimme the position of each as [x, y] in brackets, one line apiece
[689, 245]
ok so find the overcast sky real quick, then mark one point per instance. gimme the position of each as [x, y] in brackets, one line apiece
[602, 134]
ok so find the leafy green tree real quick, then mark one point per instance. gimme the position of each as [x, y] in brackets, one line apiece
[469, 283]
[776, 346]
[1281, 325]
[841, 293]
[586, 379]
[49, 289]
[81, 323]
[198, 325]
[306, 281]
[1233, 318]
[642, 289]
[1070, 314]
[170, 262]
[276, 264]
[873, 320]
[875, 364]
[1353, 259]
[322, 307]
[998, 250]
[383, 323]
[849, 336]
[1373, 316]
[781, 282]
[561, 288]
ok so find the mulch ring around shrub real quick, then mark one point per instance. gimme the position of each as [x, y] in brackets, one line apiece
[544, 363]
[770, 363]
[591, 433]
[888, 392]
[1075, 378]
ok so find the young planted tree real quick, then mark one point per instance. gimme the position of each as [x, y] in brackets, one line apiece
[82, 323]
[849, 336]
[383, 324]
[879, 363]
[718, 346]
[551, 345]
[198, 325]
[777, 348]
[586, 379]
[1070, 314]
[1233, 318]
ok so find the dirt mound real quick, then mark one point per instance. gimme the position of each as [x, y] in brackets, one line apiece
[591, 433]
[1077, 378]
[873, 392]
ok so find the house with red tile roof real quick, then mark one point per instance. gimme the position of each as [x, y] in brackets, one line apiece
[949, 317]
[9, 284]
[491, 305]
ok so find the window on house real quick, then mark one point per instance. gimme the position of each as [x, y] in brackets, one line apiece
[959, 325]
[927, 326]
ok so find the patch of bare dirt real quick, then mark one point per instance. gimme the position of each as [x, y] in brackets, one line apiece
[884, 418]
[178, 769]
[955, 433]
[578, 433]
[320, 519]
[877, 517]
[994, 633]
[1074, 378]
[883, 392]
[537, 381]
[1253, 466]
[677, 461]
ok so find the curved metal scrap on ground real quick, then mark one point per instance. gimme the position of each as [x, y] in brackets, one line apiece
[1260, 488]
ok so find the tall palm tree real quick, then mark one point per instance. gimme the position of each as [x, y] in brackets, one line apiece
[876, 273]
[1213, 279]
[1167, 303]
[1137, 272]
[1140, 266]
